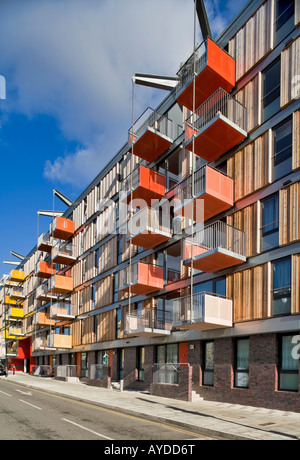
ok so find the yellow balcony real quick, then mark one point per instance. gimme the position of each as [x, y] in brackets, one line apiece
[17, 275]
[16, 313]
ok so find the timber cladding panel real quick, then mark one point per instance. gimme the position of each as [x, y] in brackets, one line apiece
[296, 284]
[249, 167]
[250, 293]
[247, 220]
[289, 215]
[253, 41]
[296, 138]
[290, 70]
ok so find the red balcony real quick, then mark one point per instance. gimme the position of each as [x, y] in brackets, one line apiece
[145, 185]
[151, 135]
[213, 194]
[219, 124]
[206, 311]
[146, 323]
[149, 228]
[214, 69]
[216, 247]
[143, 278]
[62, 228]
[45, 269]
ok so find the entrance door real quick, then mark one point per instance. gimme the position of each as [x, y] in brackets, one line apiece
[183, 353]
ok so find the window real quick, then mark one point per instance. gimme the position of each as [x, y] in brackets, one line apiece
[116, 286]
[166, 354]
[283, 146]
[284, 23]
[282, 287]
[84, 365]
[216, 286]
[96, 323]
[94, 296]
[288, 366]
[242, 364]
[270, 223]
[118, 322]
[271, 88]
[208, 371]
[97, 255]
[141, 363]
[120, 248]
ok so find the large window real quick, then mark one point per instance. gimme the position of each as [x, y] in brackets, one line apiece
[283, 146]
[288, 365]
[118, 323]
[271, 90]
[166, 356]
[242, 364]
[209, 359]
[215, 286]
[282, 287]
[270, 223]
[284, 22]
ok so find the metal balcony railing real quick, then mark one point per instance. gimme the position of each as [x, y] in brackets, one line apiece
[148, 318]
[186, 71]
[220, 235]
[218, 103]
[150, 218]
[64, 247]
[161, 124]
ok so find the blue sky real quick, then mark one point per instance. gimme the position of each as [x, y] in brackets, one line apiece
[68, 67]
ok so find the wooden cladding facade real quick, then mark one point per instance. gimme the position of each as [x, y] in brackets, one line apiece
[289, 215]
[290, 70]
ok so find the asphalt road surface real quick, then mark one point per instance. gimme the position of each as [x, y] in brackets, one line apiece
[29, 414]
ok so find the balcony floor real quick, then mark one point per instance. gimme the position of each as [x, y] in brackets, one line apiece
[219, 136]
[147, 332]
[63, 259]
[216, 259]
[151, 145]
[150, 238]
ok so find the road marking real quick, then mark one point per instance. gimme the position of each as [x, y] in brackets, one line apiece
[5, 394]
[28, 393]
[25, 402]
[87, 429]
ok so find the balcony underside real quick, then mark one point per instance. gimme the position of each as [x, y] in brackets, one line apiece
[63, 259]
[46, 297]
[147, 332]
[214, 260]
[145, 194]
[206, 83]
[216, 138]
[212, 206]
[198, 325]
[150, 238]
[151, 145]
[140, 289]
[45, 246]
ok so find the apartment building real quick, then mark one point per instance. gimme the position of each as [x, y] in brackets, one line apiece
[178, 268]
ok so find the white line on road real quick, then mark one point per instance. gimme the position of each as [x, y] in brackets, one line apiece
[5, 394]
[87, 429]
[25, 402]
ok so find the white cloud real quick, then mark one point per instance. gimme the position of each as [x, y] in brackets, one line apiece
[73, 59]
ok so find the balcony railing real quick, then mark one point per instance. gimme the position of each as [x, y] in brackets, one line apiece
[218, 124]
[60, 284]
[202, 311]
[62, 228]
[61, 310]
[59, 341]
[143, 184]
[147, 323]
[63, 253]
[150, 227]
[44, 242]
[215, 247]
[152, 134]
[43, 294]
[210, 185]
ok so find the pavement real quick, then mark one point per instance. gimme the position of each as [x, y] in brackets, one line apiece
[212, 419]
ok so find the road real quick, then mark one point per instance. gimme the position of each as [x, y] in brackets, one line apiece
[30, 414]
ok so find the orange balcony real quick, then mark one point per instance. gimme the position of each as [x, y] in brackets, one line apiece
[216, 247]
[143, 186]
[59, 284]
[143, 278]
[45, 269]
[62, 228]
[63, 253]
[146, 323]
[149, 228]
[151, 135]
[213, 194]
[205, 311]
[219, 124]
[59, 341]
[43, 319]
[214, 69]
